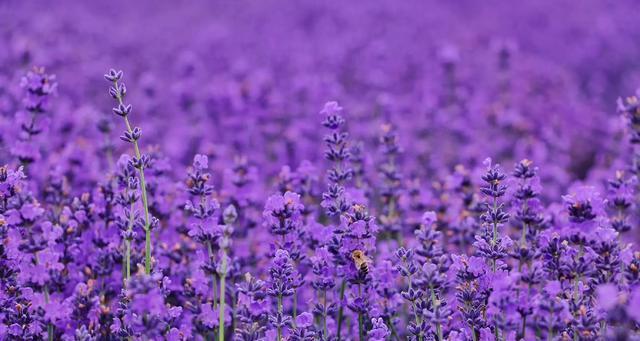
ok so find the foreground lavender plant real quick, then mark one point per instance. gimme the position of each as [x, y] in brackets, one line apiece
[334, 200]
[119, 91]
[490, 243]
[281, 286]
[127, 199]
[229, 218]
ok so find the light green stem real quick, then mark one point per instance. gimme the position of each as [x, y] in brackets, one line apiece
[127, 250]
[143, 186]
[279, 311]
[360, 327]
[436, 305]
[394, 332]
[295, 307]
[214, 281]
[45, 291]
[127, 260]
[49, 325]
[415, 309]
[223, 275]
[147, 251]
[340, 310]
[324, 313]
[494, 238]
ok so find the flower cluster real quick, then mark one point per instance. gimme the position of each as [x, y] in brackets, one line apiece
[38, 87]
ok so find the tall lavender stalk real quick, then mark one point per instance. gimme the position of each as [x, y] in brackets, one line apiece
[229, 217]
[490, 243]
[407, 268]
[204, 209]
[391, 215]
[119, 91]
[630, 109]
[39, 87]
[282, 274]
[334, 200]
[127, 199]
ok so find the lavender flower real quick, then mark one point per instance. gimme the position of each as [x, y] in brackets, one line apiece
[334, 199]
[281, 285]
[379, 331]
[392, 180]
[490, 243]
[282, 214]
[39, 88]
[621, 200]
[119, 91]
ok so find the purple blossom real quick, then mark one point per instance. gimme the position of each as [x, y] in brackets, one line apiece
[379, 331]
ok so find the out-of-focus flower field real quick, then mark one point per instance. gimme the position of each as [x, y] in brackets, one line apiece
[319, 170]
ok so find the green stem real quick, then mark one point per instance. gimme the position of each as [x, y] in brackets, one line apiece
[50, 331]
[49, 325]
[523, 238]
[295, 306]
[415, 309]
[360, 327]
[143, 186]
[124, 263]
[127, 250]
[233, 313]
[223, 275]
[324, 313]
[340, 310]
[127, 259]
[147, 251]
[394, 333]
[494, 238]
[436, 304]
[495, 224]
[214, 281]
[45, 291]
[279, 311]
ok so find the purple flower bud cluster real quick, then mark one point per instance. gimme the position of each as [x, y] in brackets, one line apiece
[335, 200]
[38, 88]
[469, 177]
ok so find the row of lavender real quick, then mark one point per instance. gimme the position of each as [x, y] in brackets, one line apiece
[226, 203]
[141, 256]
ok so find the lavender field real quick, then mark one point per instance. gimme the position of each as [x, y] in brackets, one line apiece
[319, 170]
